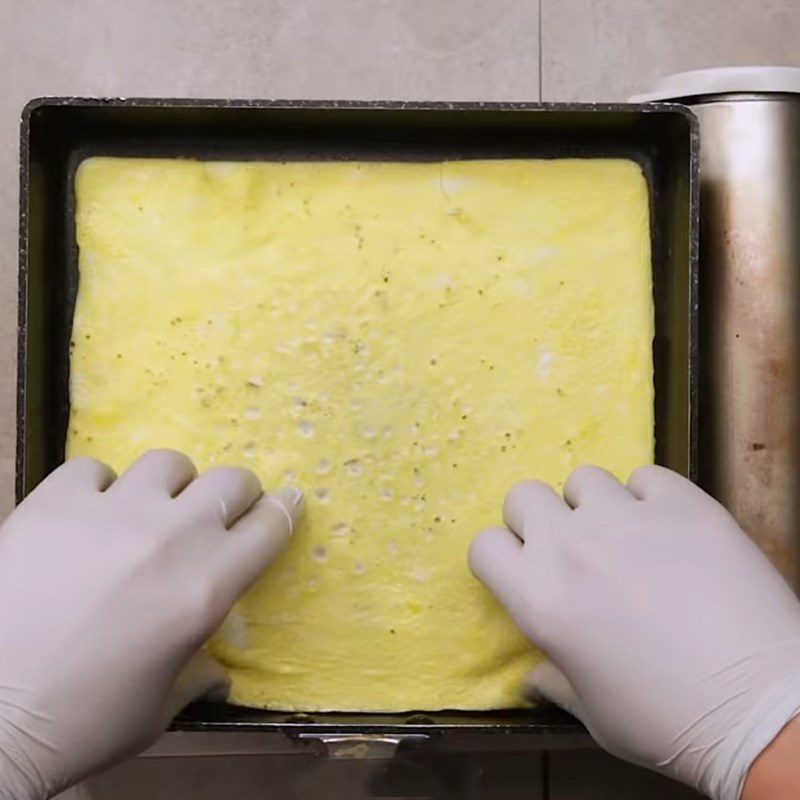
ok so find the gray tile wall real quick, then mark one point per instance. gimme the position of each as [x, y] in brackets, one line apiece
[594, 775]
[569, 775]
[466, 777]
[420, 49]
[611, 49]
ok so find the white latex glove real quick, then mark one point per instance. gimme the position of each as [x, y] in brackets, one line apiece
[671, 636]
[108, 588]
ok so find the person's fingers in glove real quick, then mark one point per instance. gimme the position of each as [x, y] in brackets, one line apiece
[256, 539]
[202, 678]
[547, 682]
[494, 557]
[158, 472]
[676, 641]
[231, 491]
[532, 505]
[652, 482]
[80, 474]
[119, 581]
[590, 484]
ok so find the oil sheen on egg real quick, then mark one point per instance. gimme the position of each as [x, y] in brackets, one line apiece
[404, 341]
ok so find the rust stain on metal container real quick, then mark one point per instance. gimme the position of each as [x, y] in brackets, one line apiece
[750, 262]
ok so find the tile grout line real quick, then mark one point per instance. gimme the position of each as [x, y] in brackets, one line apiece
[541, 46]
[545, 775]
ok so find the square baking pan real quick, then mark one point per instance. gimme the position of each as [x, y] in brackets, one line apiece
[58, 133]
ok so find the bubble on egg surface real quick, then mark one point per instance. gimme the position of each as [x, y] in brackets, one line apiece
[443, 281]
[420, 575]
[340, 529]
[219, 169]
[545, 362]
[305, 428]
[354, 468]
[320, 553]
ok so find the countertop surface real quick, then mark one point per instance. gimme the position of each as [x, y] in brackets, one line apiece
[355, 49]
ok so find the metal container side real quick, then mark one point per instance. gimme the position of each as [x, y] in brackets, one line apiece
[57, 133]
[749, 325]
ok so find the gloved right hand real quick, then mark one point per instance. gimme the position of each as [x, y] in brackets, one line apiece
[671, 636]
[108, 588]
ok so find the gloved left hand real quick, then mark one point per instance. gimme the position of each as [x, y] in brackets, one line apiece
[108, 590]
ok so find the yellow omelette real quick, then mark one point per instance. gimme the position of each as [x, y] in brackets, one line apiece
[404, 341]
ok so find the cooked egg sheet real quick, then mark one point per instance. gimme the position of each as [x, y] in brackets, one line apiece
[404, 342]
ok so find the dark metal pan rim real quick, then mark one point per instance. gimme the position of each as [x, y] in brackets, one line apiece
[666, 133]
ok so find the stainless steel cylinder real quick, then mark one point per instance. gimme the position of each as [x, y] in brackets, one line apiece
[749, 327]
